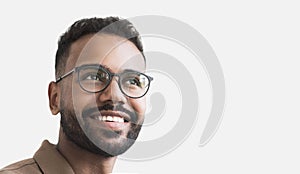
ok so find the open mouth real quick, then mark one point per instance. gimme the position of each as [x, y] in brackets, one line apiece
[110, 116]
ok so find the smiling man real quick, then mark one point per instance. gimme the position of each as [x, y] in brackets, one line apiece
[99, 92]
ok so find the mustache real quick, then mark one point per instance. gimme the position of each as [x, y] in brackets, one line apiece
[89, 111]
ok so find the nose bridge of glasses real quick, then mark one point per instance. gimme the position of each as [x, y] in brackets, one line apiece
[114, 87]
[117, 77]
[112, 75]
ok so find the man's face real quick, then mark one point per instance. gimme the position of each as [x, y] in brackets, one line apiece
[81, 112]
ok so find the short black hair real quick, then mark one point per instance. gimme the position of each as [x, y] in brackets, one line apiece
[82, 27]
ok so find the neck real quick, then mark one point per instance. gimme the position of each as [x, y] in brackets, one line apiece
[81, 160]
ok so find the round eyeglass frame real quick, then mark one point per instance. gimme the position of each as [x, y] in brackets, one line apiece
[110, 75]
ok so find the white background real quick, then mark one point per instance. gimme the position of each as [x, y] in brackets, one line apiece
[257, 43]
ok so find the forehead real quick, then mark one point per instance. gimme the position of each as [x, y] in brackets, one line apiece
[112, 51]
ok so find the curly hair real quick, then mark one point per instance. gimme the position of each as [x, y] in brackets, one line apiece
[109, 25]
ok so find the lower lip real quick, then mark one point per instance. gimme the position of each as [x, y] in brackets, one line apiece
[114, 125]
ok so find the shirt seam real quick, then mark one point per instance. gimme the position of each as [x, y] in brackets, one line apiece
[17, 167]
[38, 166]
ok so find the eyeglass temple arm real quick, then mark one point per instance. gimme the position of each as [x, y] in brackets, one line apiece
[65, 75]
[151, 78]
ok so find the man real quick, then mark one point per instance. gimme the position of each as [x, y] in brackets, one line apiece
[99, 92]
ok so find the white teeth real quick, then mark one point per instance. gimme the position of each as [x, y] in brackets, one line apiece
[121, 120]
[116, 119]
[110, 118]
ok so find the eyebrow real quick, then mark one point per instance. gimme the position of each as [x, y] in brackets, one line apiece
[95, 65]
[131, 70]
[108, 68]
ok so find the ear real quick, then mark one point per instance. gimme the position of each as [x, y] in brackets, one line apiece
[54, 98]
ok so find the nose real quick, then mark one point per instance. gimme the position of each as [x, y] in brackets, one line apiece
[112, 93]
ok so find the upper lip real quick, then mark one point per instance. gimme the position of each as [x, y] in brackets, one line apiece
[115, 113]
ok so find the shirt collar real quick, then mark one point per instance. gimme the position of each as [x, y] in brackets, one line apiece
[50, 160]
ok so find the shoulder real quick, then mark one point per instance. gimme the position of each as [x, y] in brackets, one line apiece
[21, 167]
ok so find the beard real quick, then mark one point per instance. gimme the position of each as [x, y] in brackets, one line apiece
[85, 136]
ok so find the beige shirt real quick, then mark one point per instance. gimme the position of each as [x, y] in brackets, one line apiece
[47, 160]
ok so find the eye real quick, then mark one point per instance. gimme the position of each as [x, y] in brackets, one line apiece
[133, 81]
[94, 76]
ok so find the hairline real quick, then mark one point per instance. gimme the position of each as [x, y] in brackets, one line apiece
[66, 56]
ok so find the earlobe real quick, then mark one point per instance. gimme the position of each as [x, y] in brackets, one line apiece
[54, 98]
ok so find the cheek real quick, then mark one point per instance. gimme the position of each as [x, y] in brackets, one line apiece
[82, 99]
[139, 105]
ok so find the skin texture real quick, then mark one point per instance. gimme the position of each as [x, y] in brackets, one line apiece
[67, 98]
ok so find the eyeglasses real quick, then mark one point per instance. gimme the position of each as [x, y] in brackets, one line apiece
[96, 78]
